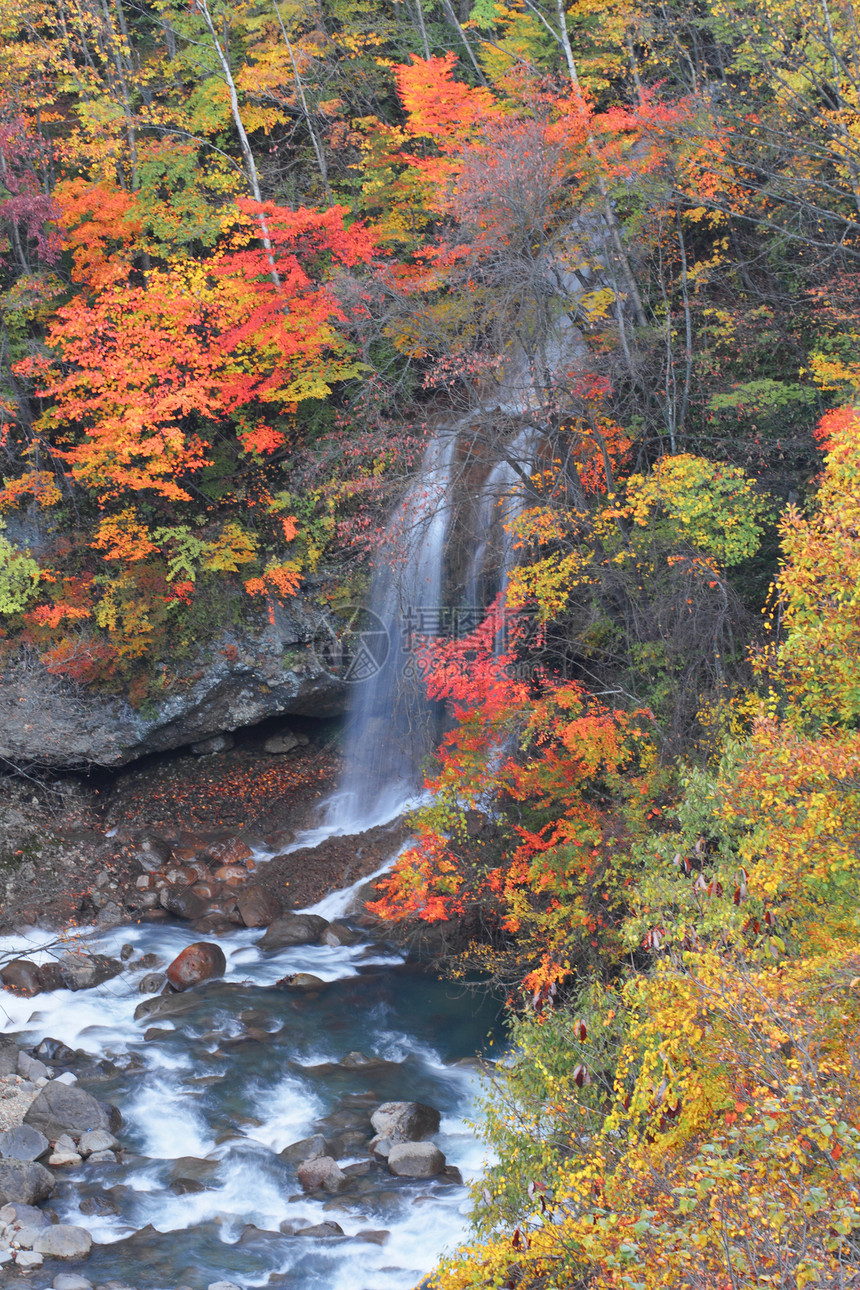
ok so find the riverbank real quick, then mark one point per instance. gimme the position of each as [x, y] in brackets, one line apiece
[73, 849]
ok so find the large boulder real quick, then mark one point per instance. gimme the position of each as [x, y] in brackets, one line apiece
[405, 1121]
[25, 1181]
[415, 1160]
[23, 1143]
[22, 976]
[322, 1172]
[65, 1108]
[62, 1241]
[197, 963]
[306, 1149]
[182, 902]
[257, 907]
[83, 971]
[293, 929]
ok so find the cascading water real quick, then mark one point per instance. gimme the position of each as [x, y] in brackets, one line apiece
[391, 725]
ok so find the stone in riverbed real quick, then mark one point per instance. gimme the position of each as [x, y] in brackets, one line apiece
[23, 1143]
[8, 1056]
[63, 1241]
[25, 1181]
[214, 744]
[71, 1281]
[405, 1121]
[31, 1068]
[322, 1172]
[306, 1149]
[65, 1108]
[28, 1260]
[301, 981]
[23, 1216]
[415, 1160]
[199, 962]
[181, 902]
[152, 983]
[22, 976]
[97, 1140]
[223, 1285]
[258, 908]
[83, 971]
[293, 929]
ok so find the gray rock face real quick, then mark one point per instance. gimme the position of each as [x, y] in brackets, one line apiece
[63, 1242]
[23, 1143]
[25, 1182]
[23, 1216]
[97, 1140]
[292, 929]
[8, 1055]
[82, 971]
[70, 1281]
[415, 1160]
[238, 681]
[322, 1172]
[65, 1108]
[31, 1068]
[405, 1121]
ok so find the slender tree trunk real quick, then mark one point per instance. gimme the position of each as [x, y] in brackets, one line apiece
[247, 154]
[300, 91]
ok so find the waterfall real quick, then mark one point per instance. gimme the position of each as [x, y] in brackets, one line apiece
[392, 727]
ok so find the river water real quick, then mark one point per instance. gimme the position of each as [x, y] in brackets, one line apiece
[235, 1071]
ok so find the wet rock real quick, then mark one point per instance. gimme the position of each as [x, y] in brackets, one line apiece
[293, 929]
[192, 1173]
[83, 971]
[349, 1143]
[22, 976]
[102, 1158]
[223, 1285]
[373, 1236]
[306, 1149]
[415, 1160]
[232, 874]
[405, 1121]
[214, 744]
[23, 1143]
[54, 1050]
[302, 981]
[337, 934]
[216, 924]
[258, 908]
[110, 915]
[358, 1061]
[63, 1108]
[97, 1140]
[322, 1172]
[230, 851]
[25, 1181]
[51, 977]
[199, 962]
[181, 902]
[327, 1229]
[31, 1068]
[64, 1242]
[101, 1205]
[70, 1281]
[152, 983]
[151, 852]
[149, 961]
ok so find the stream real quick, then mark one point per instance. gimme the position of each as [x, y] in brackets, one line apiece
[234, 1071]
